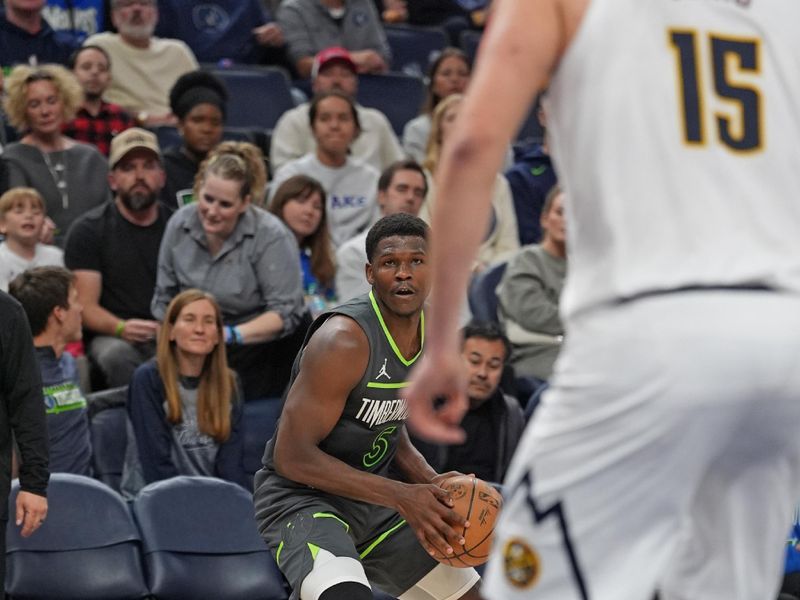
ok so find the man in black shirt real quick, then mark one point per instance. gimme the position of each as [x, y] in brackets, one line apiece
[21, 413]
[113, 251]
[494, 422]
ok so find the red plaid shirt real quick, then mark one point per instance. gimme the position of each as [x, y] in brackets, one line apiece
[111, 120]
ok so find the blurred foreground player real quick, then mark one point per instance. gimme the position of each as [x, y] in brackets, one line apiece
[333, 519]
[665, 455]
[21, 414]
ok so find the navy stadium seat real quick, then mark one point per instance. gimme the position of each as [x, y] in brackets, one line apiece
[414, 48]
[201, 541]
[531, 129]
[88, 547]
[259, 419]
[469, 40]
[107, 419]
[257, 96]
[397, 96]
[482, 292]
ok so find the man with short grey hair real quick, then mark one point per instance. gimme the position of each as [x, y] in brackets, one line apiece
[143, 67]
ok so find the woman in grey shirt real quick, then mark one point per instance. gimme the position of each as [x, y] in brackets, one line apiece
[246, 258]
[70, 176]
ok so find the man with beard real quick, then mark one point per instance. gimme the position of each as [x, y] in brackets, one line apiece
[96, 121]
[113, 251]
[144, 68]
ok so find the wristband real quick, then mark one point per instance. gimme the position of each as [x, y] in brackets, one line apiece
[233, 337]
[119, 329]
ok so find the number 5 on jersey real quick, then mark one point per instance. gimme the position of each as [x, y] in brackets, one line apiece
[739, 127]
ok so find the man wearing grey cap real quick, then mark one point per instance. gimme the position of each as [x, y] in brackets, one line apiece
[113, 251]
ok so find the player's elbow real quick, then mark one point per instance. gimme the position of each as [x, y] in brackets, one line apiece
[472, 147]
[287, 460]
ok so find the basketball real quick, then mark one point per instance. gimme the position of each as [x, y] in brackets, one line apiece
[479, 503]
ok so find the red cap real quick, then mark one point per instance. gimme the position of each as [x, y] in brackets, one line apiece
[329, 55]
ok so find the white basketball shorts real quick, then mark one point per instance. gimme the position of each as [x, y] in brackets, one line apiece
[666, 456]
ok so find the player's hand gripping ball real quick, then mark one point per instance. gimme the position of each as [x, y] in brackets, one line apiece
[479, 503]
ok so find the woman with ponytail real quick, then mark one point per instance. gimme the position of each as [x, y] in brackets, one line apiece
[185, 406]
[247, 258]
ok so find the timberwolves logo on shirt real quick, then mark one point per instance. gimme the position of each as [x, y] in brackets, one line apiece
[520, 564]
[210, 17]
[360, 18]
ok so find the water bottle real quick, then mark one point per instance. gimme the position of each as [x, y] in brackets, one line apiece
[315, 302]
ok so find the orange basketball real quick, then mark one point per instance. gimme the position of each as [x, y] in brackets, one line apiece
[479, 503]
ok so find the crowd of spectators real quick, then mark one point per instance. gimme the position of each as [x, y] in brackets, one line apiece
[183, 271]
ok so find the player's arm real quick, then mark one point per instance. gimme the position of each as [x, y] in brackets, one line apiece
[519, 51]
[410, 462]
[333, 363]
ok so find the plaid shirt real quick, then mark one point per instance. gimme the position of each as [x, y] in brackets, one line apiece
[111, 120]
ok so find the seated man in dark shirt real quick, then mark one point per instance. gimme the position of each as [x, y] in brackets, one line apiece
[494, 422]
[25, 36]
[113, 250]
[50, 300]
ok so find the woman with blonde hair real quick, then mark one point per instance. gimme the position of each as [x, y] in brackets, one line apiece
[502, 238]
[300, 203]
[449, 74]
[70, 175]
[185, 406]
[244, 256]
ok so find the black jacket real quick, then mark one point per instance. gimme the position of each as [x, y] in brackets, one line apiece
[21, 405]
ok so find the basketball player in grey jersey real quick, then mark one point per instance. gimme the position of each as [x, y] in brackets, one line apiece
[325, 505]
[665, 453]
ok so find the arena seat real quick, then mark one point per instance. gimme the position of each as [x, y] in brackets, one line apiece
[259, 419]
[414, 48]
[200, 541]
[88, 547]
[257, 96]
[482, 292]
[396, 95]
[107, 420]
[470, 40]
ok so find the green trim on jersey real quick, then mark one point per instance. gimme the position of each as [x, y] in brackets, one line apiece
[388, 386]
[381, 538]
[322, 515]
[278, 554]
[389, 337]
[314, 550]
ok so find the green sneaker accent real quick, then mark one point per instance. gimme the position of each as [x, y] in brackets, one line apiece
[322, 515]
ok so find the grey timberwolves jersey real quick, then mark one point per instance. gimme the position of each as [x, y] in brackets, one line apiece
[365, 436]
